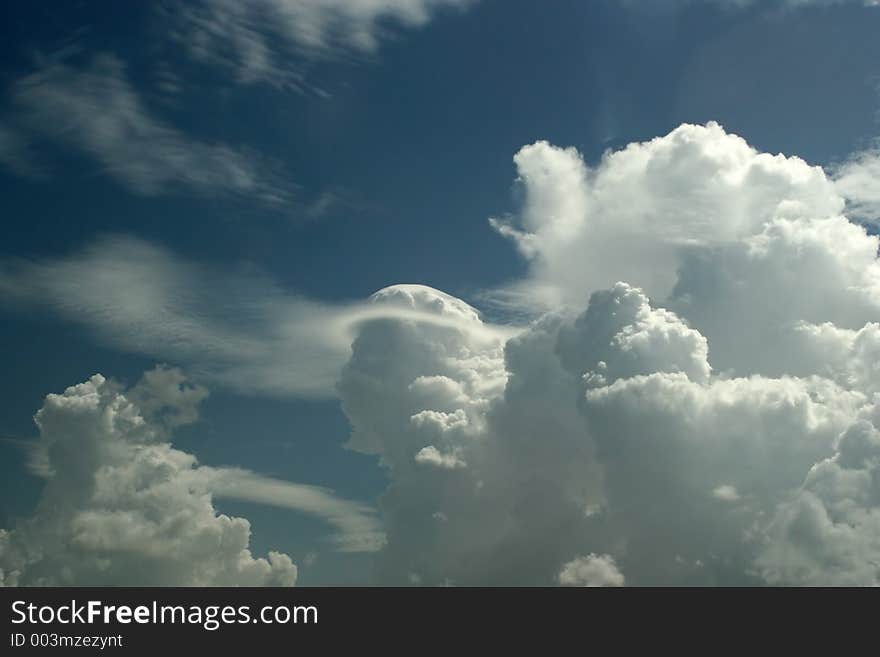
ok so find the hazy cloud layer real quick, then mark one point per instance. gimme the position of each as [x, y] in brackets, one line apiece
[16, 154]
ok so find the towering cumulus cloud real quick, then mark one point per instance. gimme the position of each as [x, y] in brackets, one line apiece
[697, 403]
[121, 505]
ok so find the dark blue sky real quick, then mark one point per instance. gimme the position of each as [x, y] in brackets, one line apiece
[415, 143]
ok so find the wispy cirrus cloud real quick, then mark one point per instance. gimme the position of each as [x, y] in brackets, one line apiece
[17, 155]
[237, 328]
[358, 527]
[272, 40]
[94, 109]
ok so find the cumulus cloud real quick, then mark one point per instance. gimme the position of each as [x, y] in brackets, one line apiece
[858, 181]
[628, 219]
[665, 441]
[592, 570]
[260, 41]
[124, 507]
[696, 401]
[709, 228]
[121, 506]
[94, 108]
[475, 497]
[430, 455]
[712, 420]
[829, 532]
[574, 443]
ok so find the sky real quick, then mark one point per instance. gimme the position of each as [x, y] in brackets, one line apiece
[431, 292]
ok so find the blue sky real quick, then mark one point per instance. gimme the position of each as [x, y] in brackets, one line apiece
[379, 164]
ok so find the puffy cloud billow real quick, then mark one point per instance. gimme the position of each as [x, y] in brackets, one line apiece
[592, 570]
[121, 506]
[696, 401]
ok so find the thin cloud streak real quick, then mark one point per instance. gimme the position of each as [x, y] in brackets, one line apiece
[94, 109]
[358, 527]
[237, 329]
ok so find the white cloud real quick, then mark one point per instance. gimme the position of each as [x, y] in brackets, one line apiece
[632, 216]
[709, 228]
[592, 570]
[641, 440]
[121, 506]
[667, 428]
[510, 424]
[237, 328]
[726, 493]
[620, 335]
[95, 109]
[699, 405]
[430, 455]
[268, 39]
[124, 507]
[858, 181]
[166, 398]
[850, 357]
[829, 532]
[664, 441]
